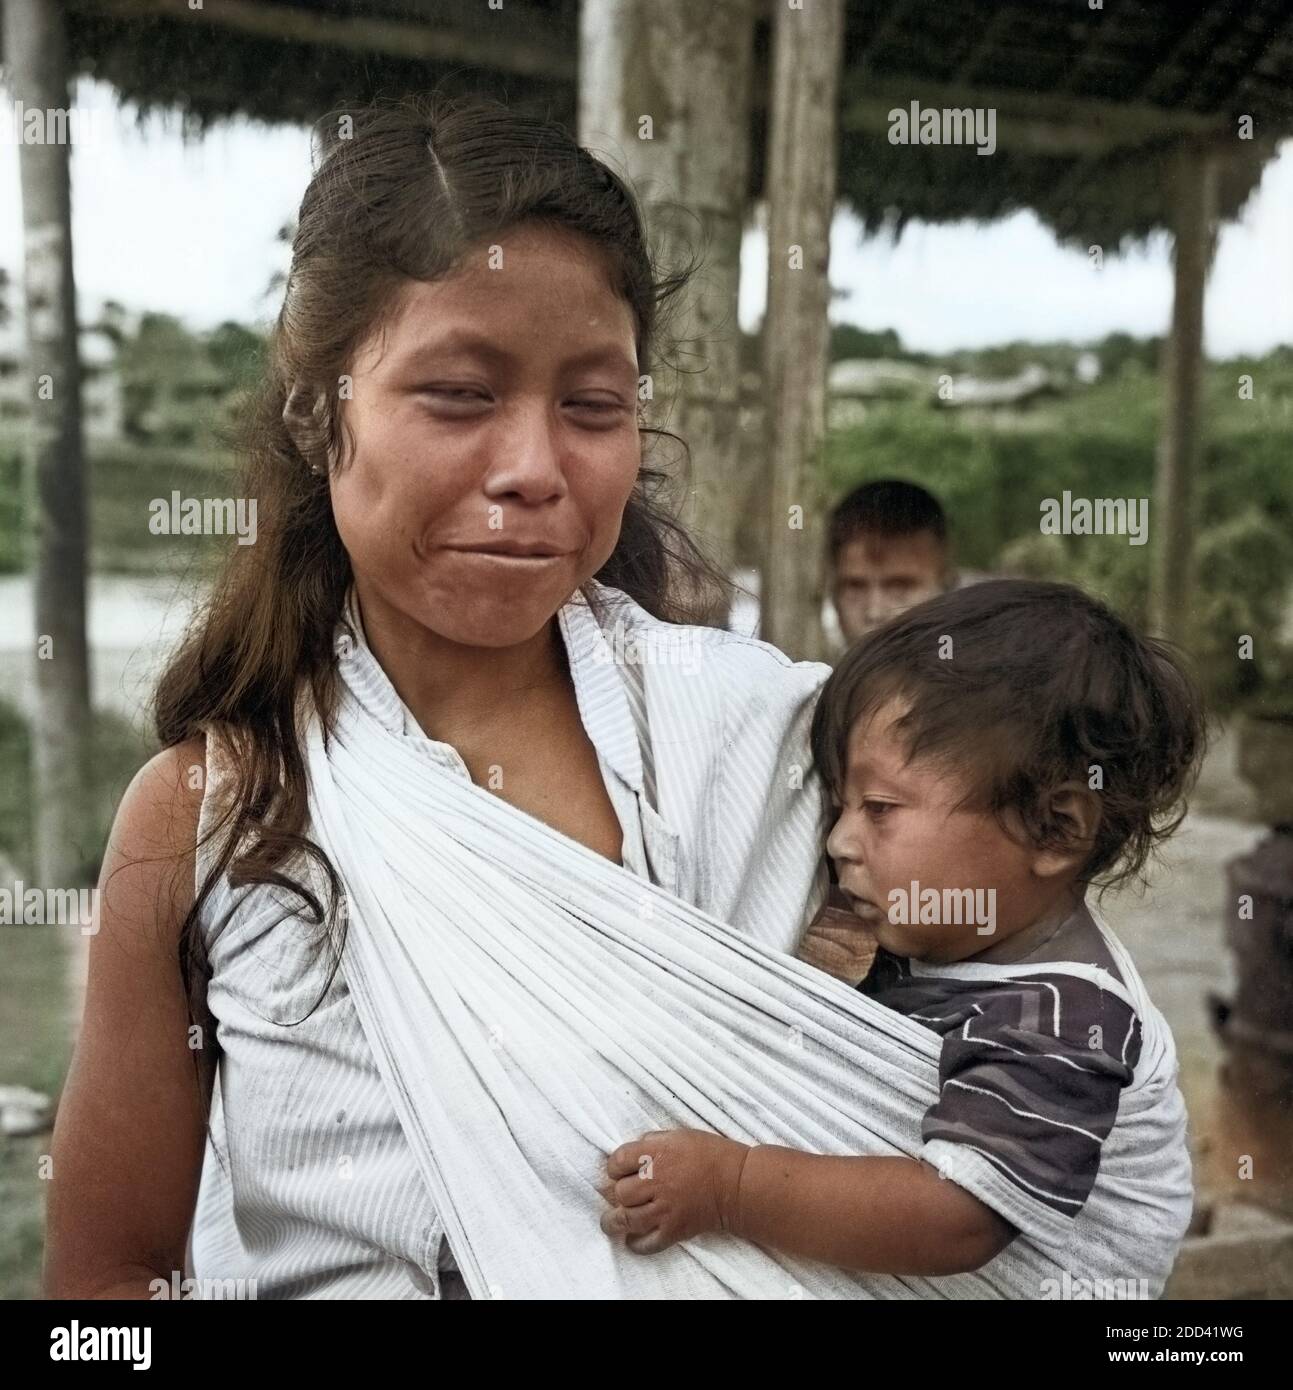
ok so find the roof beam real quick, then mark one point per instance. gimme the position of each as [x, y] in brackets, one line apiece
[1033, 122]
[501, 44]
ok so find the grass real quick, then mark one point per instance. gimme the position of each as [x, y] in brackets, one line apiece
[35, 998]
[37, 1050]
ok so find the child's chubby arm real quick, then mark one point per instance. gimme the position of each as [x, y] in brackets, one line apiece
[868, 1214]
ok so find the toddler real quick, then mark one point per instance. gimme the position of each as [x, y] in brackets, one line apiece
[990, 755]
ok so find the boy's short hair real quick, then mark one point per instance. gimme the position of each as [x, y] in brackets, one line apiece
[885, 508]
[1025, 685]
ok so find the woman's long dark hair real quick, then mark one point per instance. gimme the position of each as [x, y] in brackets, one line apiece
[400, 191]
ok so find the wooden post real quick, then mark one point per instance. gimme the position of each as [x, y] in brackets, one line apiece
[1172, 520]
[36, 55]
[664, 97]
[808, 47]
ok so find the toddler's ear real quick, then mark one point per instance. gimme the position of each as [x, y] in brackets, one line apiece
[1074, 810]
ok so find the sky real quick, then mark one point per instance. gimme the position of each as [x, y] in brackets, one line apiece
[189, 229]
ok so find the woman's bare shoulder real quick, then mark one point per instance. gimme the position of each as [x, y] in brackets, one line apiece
[154, 835]
[169, 785]
[128, 1142]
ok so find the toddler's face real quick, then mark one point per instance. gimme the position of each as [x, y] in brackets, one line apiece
[898, 826]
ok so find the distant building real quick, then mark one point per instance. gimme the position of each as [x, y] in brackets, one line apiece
[878, 379]
[856, 384]
[1009, 392]
[1087, 368]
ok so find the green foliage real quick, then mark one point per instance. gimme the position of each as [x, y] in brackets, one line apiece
[237, 353]
[1119, 350]
[123, 478]
[119, 752]
[991, 482]
[1101, 442]
[1243, 564]
[847, 340]
[12, 558]
[181, 388]
[15, 786]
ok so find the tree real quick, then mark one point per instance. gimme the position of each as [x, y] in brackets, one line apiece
[35, 47]
[236, 351]
[664, 91]
[807, 51]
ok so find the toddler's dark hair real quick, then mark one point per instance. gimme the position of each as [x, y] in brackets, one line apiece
[1023, 685]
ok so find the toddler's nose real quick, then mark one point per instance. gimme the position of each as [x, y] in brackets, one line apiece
[839, 844]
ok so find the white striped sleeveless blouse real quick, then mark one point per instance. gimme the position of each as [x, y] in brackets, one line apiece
[308, 1185]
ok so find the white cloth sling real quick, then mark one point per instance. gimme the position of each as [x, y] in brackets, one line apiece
[532, 1006]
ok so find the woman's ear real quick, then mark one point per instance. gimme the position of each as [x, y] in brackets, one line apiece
[303, 414]
[1073, 810]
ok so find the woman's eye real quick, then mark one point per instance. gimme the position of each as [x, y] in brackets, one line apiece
[877, 810]
[598, 407]
[465, 395]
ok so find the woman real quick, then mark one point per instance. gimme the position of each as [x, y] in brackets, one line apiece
[447, 459]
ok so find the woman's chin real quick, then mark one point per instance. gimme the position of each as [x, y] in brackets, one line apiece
[494, 614]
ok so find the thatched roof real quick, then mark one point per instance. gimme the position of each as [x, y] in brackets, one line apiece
[1090, 106]
[293, 60]
[1086, 101]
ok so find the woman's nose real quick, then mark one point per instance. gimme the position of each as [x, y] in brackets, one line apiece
[527, 455]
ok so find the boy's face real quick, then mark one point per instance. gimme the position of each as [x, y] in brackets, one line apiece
[899, 825]
[877, 577]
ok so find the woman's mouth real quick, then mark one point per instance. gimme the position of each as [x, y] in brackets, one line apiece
[503, 557]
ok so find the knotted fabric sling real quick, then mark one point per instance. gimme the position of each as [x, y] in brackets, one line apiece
[532, 1006]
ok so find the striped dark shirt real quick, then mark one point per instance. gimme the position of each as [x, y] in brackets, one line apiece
[1035, 1056]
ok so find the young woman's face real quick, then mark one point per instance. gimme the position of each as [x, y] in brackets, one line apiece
[497, 412]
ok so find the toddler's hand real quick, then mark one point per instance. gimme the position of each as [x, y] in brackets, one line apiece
[670, 1185]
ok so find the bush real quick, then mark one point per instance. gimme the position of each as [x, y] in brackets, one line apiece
[122, 479]
[1101, 443]
[1243, 566]
[119, 751]
[12, 558]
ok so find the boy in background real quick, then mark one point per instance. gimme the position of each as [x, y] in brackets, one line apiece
[889, 550]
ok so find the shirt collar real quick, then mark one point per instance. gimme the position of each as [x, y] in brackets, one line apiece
[599, 690]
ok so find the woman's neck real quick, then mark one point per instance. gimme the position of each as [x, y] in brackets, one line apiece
[452, 688]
